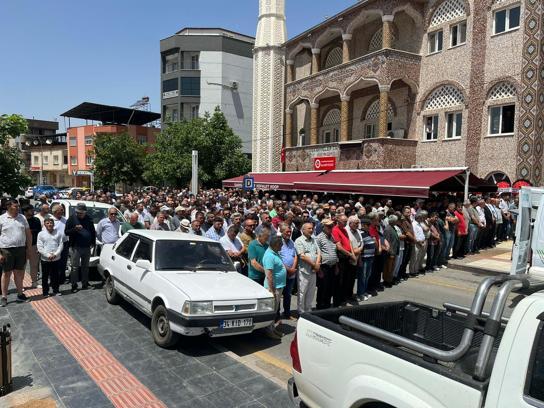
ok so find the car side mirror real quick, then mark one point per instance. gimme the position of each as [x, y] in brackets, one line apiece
[238, 266]
[144, 264]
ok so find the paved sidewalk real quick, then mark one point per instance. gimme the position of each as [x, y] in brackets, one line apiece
[78, 351]
[488, 262]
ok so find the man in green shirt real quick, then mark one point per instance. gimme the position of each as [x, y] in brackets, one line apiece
[255, 252]
[132, 224]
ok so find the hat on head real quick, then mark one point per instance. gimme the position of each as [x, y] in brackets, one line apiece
[165, 208]
[327, 222]
[185, 224]
[179, 208]
[81, 208]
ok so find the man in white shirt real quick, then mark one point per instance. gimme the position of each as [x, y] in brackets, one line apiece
[60, 225]
[418, 249]
[232, 244]
[15, 241]
[50, 248]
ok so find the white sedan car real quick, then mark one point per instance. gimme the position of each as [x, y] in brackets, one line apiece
[187, 284]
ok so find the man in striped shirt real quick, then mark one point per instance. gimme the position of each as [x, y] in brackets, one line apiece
[327, 277]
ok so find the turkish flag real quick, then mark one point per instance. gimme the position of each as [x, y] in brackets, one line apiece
[283, 155]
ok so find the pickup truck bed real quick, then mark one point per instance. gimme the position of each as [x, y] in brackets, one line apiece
[421, 323]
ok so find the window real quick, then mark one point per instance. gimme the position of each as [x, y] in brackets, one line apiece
[73, 160]
[175, 115]
[534, 387]
[191, 255]
[55, 160]
[144, 251]
[458, 34]
[126, 247]
[45, 159]
[190, 86]
[36, 160]
[170, 88]
[88, 140]
[73, 141]
[430, 131]
[371, 130]
[501, 119]
[142, 139]
[195, 64]
[194, 111]
[171, 63]
[506, 20]
[330, 136]
[89, 160]
[65, 160]
[436, 41]
[454, 125]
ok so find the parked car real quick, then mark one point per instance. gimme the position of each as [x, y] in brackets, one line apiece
[187, 284]
[29, 192]
[409, 355]
[69, 193]
[97, 211]
[46, 190]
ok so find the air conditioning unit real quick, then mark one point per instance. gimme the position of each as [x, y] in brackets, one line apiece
[396, 134]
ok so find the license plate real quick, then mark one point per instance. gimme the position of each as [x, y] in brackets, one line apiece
[233, 324]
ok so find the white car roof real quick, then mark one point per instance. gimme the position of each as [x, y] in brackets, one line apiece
[91, 204]
[169, 235]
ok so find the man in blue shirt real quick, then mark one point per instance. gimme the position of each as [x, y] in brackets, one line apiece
[107, 230]
[276, 274]
[288, 254]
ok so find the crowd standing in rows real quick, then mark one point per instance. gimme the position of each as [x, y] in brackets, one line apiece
[347, 250]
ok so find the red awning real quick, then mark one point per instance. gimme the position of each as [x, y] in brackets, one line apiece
[417, 183]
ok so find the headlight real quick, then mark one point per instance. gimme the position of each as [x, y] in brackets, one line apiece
[197, 308]
[266, 305]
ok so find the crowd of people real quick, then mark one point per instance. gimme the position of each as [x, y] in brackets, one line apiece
[345, 249]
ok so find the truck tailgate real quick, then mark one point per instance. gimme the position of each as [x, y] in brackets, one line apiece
[341, 371]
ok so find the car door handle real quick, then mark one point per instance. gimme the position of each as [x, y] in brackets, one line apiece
[129, 267]
[113, 258]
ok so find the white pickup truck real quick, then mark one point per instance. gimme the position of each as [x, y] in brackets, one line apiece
[408, 355]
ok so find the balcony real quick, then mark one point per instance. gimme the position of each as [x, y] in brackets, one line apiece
[381, 67]
[382, 153]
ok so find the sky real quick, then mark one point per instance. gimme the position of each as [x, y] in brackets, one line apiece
[56, 54]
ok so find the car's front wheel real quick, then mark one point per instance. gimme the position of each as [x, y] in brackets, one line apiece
[111, 293]
[161, 330]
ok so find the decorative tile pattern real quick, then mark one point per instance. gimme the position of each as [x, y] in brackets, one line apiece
[502, 90]
[333, 118]
[376, 41]
[529, 164]
[334, 57]
[448, 10]
[373, 111]
[444, 97]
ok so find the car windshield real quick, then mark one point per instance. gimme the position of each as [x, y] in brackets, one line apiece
[96, 214]
[191, 256]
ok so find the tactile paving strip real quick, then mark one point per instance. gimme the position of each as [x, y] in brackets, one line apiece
[115, 381]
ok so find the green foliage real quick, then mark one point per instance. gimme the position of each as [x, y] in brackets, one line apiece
[12, 178]
[219, 153]
[118, 158]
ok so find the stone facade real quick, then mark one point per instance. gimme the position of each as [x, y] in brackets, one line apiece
[267, 134]
[420, 83]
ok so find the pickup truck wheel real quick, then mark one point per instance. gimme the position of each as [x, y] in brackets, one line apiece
[161, 330]
[112, 296]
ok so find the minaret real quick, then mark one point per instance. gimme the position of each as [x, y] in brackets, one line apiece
[268, 83]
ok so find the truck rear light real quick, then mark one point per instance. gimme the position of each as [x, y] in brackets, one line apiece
[295, 356]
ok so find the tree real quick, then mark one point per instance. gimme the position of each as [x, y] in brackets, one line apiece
[219, 152]
[118, 158]
[12, 177]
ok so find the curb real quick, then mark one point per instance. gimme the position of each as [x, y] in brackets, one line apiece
[476, 270]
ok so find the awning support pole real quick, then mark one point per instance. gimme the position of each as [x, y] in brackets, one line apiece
[467, 178]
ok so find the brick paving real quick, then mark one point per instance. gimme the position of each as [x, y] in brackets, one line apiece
[90, 354]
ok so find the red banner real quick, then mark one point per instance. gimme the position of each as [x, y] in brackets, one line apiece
[324, 163]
